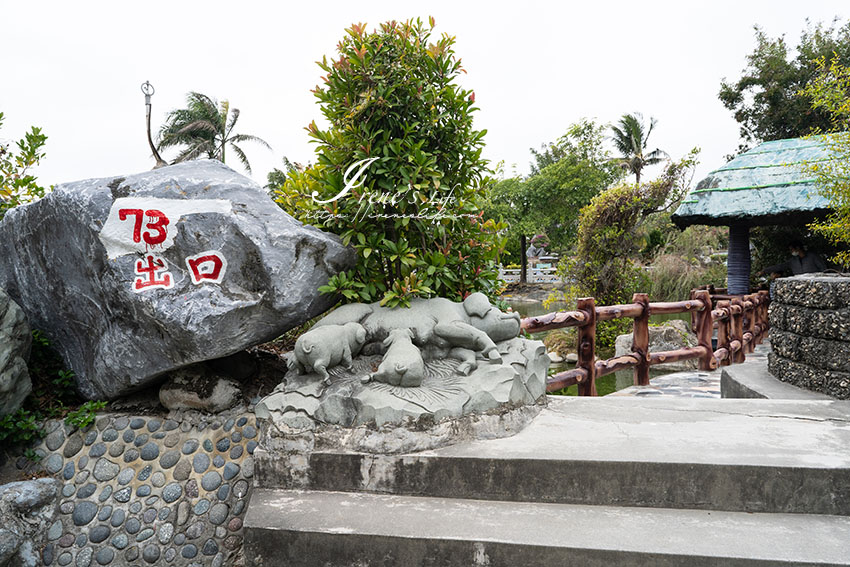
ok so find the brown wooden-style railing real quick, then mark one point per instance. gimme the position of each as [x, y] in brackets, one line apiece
[741, 323]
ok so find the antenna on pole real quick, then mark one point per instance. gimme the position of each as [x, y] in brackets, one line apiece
[148, 90]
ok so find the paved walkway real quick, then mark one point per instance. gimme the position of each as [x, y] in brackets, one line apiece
[688, 384]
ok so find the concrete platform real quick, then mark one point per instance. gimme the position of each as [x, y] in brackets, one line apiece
[734, 455]
[345, 529]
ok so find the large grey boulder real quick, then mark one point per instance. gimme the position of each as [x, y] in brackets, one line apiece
[15, 343]
[133, 277]
[27, 510]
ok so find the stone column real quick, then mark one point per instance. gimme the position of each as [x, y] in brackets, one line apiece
[738, 261]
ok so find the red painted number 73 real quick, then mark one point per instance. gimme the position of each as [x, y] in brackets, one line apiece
[158, 223]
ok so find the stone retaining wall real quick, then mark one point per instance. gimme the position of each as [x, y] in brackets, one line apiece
[810, 333]
[149, 490]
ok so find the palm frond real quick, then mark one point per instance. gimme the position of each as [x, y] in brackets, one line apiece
[234, 116]
[249, 138]
[242, 157]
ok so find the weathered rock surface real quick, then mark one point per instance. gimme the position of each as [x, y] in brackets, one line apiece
[810, 333]
[672, 335]
[133, 277]
[15, 342]
[196, 388]
[27, 510]
[819, 291]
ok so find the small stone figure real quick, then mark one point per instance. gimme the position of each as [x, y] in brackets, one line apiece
[325, 347]
[402, 364]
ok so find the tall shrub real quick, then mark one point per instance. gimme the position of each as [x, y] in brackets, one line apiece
[399, 172]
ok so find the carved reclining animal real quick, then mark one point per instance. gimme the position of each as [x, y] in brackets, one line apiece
[321, 348]
[439, 327]
[402, 364]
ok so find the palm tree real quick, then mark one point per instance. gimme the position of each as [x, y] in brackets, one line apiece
[630, 138]
[205, 128]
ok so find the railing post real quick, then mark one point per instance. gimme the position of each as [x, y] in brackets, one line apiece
[704, 327]
[587, 347]
[723, 340]
[751, 325]
[737, 329]
[640, 340]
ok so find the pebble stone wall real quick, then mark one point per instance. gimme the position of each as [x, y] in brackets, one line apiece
[150, 491]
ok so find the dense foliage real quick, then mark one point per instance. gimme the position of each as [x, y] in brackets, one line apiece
[765, 98]
[611, 235]
[830, 92]
[205, 129]
[571, 172]
[399, 173]
[17, 183]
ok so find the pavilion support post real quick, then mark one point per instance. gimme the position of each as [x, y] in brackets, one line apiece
[738, 261]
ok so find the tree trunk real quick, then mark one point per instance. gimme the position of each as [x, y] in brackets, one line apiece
[523, 261]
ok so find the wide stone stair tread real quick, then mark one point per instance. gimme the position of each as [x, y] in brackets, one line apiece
[339, 528]
[733, 455]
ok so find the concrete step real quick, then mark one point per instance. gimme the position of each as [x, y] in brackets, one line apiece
[296, 528]
[786, 456]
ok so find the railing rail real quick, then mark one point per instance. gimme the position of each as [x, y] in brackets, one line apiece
[741, 323]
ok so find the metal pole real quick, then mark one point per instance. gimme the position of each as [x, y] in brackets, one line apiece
[148, 90]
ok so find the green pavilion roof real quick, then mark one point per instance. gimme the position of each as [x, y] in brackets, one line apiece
[763, 186]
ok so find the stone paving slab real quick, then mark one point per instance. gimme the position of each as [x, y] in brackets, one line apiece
[144, 490]
[331, 528]
[690, 383]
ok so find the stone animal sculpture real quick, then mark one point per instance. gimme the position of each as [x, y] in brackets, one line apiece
[321, 348]
[438, 328]
[402, 364]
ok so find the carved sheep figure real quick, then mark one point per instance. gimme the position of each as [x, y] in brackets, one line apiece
[324, 347]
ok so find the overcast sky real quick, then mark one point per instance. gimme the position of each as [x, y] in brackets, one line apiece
[74, 68]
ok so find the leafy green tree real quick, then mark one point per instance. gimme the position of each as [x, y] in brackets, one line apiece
[630, 137]
[549, 200]
[765, 99]
[829, 92]
[205, 129]
[399, 173]
[17, 183]
[604, 265]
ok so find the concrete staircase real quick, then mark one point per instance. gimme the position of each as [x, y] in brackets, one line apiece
[593, 481]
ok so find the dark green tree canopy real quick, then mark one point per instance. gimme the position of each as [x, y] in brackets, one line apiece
[205, 129]
[576, 167]
[765, 100]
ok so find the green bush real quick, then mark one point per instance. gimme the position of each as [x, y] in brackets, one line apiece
[17, 184]
[398, 117]
[672, 276]
[84, 415]
[23, 426]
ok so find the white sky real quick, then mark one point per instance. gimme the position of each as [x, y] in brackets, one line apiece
[74, 68]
